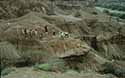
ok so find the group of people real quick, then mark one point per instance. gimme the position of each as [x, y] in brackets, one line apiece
[35, 32]
[38, 32]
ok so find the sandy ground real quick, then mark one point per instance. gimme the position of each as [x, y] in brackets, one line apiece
[31, 73]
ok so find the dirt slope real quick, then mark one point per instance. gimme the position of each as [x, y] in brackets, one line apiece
[36, 31]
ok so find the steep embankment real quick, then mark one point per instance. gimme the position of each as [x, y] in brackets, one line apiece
[84, 38]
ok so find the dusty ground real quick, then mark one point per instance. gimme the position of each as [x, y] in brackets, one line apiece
[81, 39]
[31, 73]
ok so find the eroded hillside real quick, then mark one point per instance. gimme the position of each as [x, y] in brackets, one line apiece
[54, 37]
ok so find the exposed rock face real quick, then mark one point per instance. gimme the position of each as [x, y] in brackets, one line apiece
[14, 8]
[27, 35]
[77, 34]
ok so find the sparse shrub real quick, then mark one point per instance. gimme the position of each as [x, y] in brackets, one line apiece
[6, 71]
[52, 65]
[45, 67]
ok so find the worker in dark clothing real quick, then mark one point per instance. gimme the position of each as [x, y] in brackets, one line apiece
[25, 32]
[54, 33]
[46, 29]
[94, 43]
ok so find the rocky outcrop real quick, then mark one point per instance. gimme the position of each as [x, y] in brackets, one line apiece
[14, 9]
[82, 37]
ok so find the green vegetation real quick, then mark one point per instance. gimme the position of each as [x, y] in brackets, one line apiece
[6, 71]
[117, 8]
[113, 7]
[120, 14]
[52, 65]
[45, 67]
